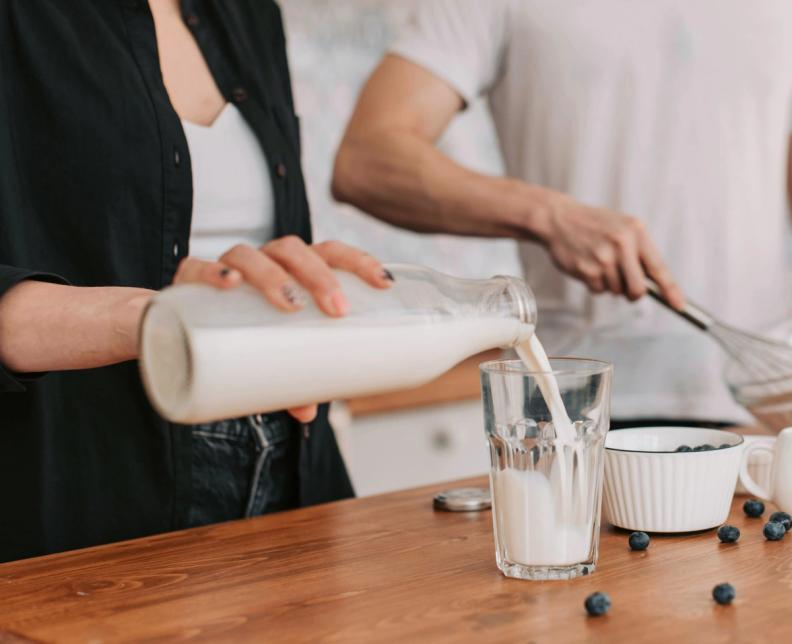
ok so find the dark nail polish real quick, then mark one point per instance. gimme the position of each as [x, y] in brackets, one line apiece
[225, 272]
[292, 295]
[388, 275]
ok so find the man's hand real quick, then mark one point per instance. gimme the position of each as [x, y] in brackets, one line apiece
[607, 250]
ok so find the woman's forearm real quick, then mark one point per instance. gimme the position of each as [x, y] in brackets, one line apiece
[403, 179]
[48, 327]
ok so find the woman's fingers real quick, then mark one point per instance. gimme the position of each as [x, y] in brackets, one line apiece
[338, 255]
[311, 271]
[218, 274]
[265, 275]
[284, 265]
[304, 414]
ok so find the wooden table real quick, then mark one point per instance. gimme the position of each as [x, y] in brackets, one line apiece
[389, 568]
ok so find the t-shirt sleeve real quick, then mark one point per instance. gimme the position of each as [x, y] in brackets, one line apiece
[11, 276]
[460, 41]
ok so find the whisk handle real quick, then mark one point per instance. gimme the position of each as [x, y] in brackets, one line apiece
[691, 312]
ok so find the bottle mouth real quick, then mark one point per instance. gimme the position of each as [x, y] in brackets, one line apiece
[522, 298]
[522, 304]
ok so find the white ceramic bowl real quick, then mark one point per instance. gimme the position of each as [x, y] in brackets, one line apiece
[650, 486]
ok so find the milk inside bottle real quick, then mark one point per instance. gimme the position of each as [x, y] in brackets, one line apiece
[208, 354]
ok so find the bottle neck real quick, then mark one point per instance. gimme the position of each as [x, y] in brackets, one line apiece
[522, 305]
[523, 301]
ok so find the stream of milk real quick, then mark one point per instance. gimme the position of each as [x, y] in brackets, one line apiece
[540, 520]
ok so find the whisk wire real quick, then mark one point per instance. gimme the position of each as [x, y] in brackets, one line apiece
[763, 359]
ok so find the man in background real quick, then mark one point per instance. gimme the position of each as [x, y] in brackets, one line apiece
[677, 113]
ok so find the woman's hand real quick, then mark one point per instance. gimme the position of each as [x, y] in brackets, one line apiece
[282, 269]
[607, 250]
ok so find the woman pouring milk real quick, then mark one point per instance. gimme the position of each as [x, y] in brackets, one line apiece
[144, 144]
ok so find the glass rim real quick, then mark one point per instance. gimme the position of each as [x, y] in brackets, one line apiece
[515, 366]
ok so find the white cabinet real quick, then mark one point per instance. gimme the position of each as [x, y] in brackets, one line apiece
[408, 448]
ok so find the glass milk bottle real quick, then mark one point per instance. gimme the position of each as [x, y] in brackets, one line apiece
[208, 354]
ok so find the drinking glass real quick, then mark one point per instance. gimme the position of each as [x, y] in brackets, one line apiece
[546, 476]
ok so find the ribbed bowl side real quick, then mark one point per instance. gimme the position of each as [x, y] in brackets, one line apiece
[663, 492]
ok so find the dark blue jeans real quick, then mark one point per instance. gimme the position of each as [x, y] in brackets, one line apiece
[243, 467]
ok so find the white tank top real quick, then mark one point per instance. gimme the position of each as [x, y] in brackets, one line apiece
[232, 192]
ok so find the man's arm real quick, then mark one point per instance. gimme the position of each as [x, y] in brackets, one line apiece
[388, 166]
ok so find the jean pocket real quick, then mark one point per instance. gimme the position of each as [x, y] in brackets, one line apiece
[243, 467]
[223, 459]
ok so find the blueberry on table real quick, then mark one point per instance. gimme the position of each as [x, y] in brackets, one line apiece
[684, 448]
[597, 604]
[728, 533]
[774, 531]
[783, 518]
[753, 508]
[723, 593]
[639, 541]
[703, 448]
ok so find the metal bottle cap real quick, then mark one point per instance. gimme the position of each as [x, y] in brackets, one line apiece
[463, 499]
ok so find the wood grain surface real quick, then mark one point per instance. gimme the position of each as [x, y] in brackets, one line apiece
[390, 568]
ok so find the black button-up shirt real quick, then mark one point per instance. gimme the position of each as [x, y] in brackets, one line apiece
[96, 188]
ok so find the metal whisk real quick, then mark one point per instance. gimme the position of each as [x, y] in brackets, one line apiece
[764, 359]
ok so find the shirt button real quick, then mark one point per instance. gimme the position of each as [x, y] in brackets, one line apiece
[175, 249]
[280, 170]
[176, 157]
[239, 94]
[193, 20]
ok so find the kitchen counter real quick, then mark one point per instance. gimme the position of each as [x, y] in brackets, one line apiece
[461, 382]
[390, 568]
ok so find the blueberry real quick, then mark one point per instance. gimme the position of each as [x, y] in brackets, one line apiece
[774, 531]
[639, 541]
[724, 446]
[728, 533]
[683, 448]
[597, 604]
[783, 518]
[753, 508]
[723, 593]
[703, 448]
